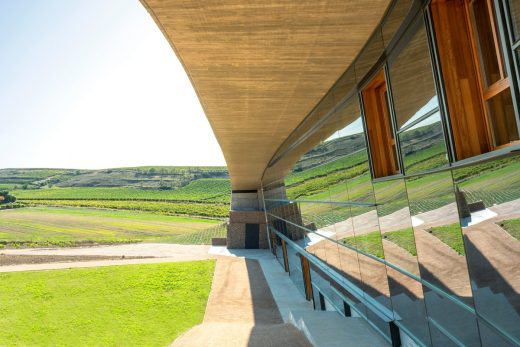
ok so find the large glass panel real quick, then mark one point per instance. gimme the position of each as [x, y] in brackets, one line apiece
[295, 273]
[441, 253]
[423, 147]
[367, 238]
[489, 205]
[399, 249]
[411, 78]
[490, 337]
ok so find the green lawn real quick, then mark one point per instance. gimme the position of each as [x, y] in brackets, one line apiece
[45, 226]
[512, 226]
[403, 238]
[369, 243]
[132, 305]
[450, 235]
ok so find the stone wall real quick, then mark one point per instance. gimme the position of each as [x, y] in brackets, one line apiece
[236, 234]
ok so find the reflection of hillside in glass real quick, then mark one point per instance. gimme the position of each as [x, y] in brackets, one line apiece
[493, 182]
[429, 192]
[489, 204]
[423, 147]
[322, 172]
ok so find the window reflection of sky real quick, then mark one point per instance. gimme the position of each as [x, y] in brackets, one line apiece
[430, 105]
[356, 127]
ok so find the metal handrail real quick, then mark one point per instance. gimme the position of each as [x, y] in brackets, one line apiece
[427, 284]
[342, 203]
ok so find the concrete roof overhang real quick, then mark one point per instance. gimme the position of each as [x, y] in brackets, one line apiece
[259, 67]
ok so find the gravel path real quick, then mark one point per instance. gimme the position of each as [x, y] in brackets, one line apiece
[34, 259]
[18, 259]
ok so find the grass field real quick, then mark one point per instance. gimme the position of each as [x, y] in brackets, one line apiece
[369, 243]
[157, 207]
[512, 226]
[133, 305]
[450, 235]
[44, 226]
[403, 238]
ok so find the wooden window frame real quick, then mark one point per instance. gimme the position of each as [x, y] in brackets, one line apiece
[466, 147]
[487, 93]
[381, 135]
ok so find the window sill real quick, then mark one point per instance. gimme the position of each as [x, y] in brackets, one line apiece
[496, 154]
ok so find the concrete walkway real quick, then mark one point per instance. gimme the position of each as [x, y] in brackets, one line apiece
[241, 311]
[322, 329]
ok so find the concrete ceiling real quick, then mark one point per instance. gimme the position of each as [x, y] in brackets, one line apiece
[259, 67]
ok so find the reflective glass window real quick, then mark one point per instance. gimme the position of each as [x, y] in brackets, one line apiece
[411, 77]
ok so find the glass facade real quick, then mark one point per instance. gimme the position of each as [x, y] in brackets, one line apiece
[433, 249]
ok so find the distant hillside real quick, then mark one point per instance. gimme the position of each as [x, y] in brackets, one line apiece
[146, 177]
[329, 151]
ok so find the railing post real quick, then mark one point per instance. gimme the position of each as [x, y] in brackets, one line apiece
[395, 335]
[347, 310]
[285, 258]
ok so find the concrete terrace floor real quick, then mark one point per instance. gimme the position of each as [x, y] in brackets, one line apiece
[253, 302]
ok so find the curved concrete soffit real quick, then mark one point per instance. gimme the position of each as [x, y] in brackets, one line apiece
[259, 68]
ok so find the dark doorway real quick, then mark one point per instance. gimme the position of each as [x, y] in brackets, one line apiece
[252, 236]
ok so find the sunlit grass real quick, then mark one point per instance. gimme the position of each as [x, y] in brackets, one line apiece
[451, 235]
[512, 226]
[133, 305]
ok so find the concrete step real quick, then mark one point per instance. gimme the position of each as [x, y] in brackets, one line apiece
[330, 329]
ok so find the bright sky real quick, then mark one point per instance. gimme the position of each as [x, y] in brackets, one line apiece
[94, 84]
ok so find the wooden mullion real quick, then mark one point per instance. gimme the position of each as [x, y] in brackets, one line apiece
[478, 67]
[495, 89]
[491, 12]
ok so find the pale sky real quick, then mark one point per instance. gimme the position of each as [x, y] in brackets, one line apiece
[94, 84]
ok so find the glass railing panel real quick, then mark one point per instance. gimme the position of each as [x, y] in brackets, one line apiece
[357, 308]
[489, 204]
[399, 249]
[490, 337]
[440, 339]
[367, 239]
[295, 272]
[441, 253]
[381, 325]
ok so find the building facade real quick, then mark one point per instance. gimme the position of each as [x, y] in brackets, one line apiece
[403, 206]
